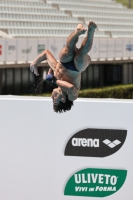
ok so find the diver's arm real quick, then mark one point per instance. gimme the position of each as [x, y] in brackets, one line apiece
[40, 58]
[65, 85]
[69, 89]
[45, 55]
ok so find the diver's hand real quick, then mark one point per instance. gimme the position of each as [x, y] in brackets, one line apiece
[33, 68]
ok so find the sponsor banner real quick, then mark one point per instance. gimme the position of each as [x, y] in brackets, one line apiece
[103, 48]
[111, 48]
[11, 50]
[93, 182]
[131, 47]
[23, 50]
[33, 48]
[58, 45]
[95, 49]
[40, 48]
[118, 48]
[95, 142]
[28, 49]
[2, 50]
[42, 45]
[126, 48]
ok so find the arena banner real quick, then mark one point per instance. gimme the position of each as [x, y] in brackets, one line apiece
[85, 153]
[2, 50]
[118, 48]
[110, 48]
[102, 48]
[126, 48]
[32, 45]
[23, 50]
[95, 142]
[11, 50]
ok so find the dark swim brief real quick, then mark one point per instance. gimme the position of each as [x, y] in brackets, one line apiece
[70, 65]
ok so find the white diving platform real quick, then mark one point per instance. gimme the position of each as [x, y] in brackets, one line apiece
[85, 152]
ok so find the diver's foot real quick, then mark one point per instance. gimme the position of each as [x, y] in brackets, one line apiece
[80, 29]
[91, 26]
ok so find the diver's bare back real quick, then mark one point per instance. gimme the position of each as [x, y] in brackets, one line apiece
[73, 77]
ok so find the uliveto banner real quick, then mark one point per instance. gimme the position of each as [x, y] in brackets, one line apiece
[95, 182]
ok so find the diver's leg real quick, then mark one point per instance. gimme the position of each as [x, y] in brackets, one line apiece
[87, 42]
[82, 59]
[68, 52]
[45, 55]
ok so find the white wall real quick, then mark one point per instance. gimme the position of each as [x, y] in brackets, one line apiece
[25, 50]
[33, 140]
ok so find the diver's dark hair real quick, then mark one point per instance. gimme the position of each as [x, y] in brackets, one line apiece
[63, 107]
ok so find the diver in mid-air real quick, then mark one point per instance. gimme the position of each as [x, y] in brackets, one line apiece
[66, 73]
